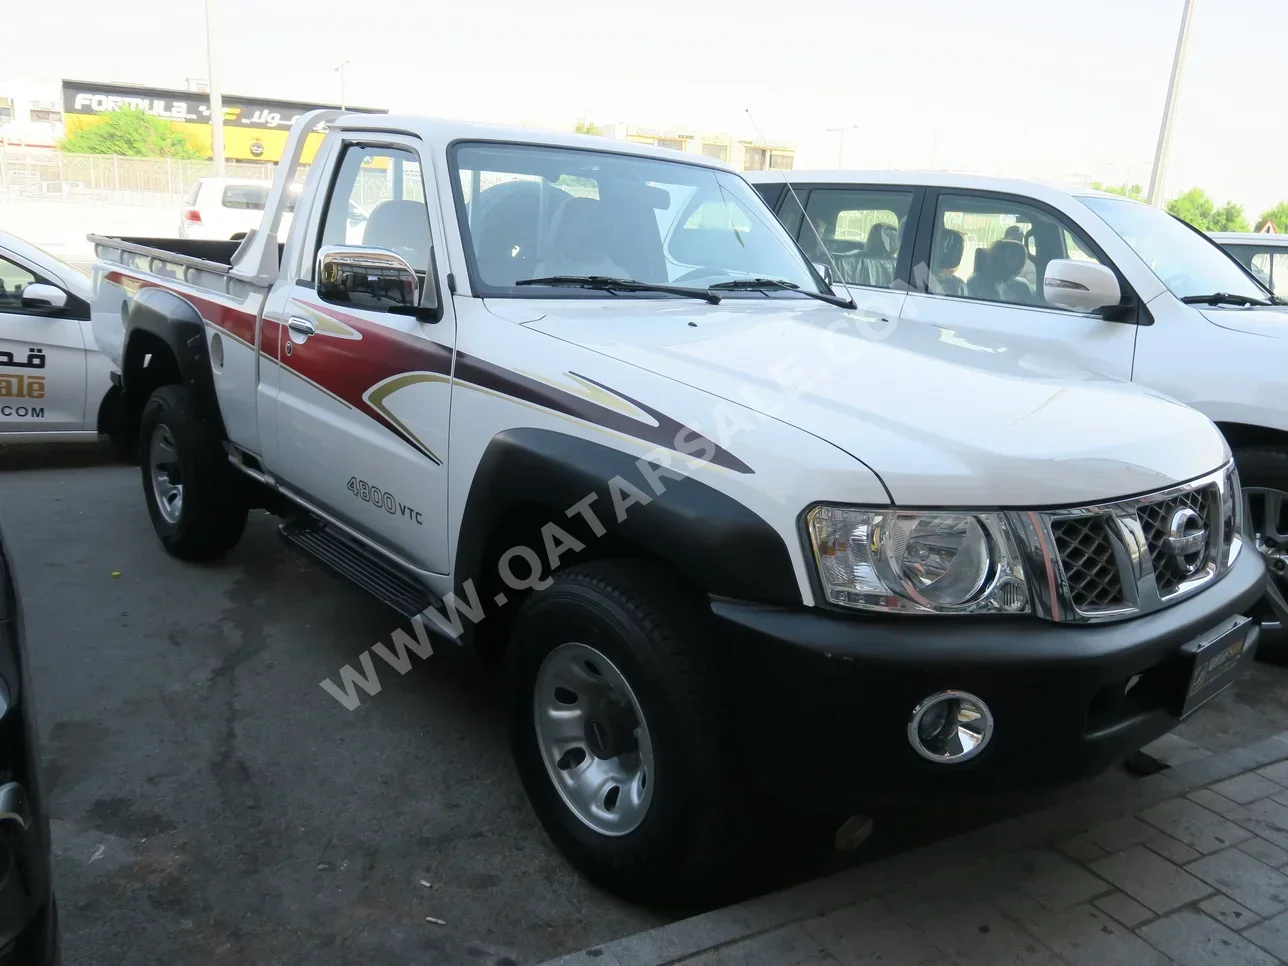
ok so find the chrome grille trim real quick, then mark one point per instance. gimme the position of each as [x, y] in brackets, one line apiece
[1112, 561]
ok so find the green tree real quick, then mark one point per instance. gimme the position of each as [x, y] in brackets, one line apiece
[1230, 217]
[585, 127]
[131, 132]
[1195, 207]
[1278, 215]
[1134, 191]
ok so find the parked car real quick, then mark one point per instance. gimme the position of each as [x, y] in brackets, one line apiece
[28, 913]
[1264, 255]
[1124, 289]
[228, 208]
[55, 385]
[583, 407]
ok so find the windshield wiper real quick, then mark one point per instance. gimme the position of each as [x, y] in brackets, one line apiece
[608, 284]
[1223, 298]
[761, 284]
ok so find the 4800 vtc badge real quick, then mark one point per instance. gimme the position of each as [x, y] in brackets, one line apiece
[383, 499]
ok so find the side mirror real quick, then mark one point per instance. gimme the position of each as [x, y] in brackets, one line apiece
[39, 295]
[1080, 285]
[378, 279]
[825, 272]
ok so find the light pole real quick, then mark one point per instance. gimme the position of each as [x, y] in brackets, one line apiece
[1159, 175]
[216, 99]
[340, 70]
[840, 154]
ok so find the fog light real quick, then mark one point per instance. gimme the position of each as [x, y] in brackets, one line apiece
[950, 727]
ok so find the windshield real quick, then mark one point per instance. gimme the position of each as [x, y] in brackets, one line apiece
[1187, 262]
[539, 212]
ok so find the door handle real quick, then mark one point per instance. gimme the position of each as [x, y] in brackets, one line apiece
[303, 327]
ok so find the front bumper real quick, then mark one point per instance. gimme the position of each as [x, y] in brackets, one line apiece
[824, 699]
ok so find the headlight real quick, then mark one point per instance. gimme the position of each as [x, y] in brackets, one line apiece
[918, 562]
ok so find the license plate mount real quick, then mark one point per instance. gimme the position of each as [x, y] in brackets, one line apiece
[1214, 661]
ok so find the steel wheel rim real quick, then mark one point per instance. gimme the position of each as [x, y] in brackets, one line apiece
[577, 687]
[1267, 513]
[167, 482]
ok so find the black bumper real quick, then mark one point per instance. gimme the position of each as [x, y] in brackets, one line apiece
[824, 699]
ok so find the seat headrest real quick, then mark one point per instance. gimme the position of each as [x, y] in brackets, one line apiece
[882, 242]
[981, 261]
[1006, 259]
[403, 227]
[949, 248]
[581, 222]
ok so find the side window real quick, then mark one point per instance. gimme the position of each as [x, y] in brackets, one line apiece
[858, 230]
[378, 201]
[1262, 266]
[1279, 274]
[13, 279]
[245, 197]
[997, 250]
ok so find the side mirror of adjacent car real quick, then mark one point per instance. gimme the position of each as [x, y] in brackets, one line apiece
[1080, 285]
[376, 278]
[39, 295]
[824, 271]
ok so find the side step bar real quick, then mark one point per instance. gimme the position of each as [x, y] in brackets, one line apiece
[344, 556]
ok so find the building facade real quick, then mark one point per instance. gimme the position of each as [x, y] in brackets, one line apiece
[745, 154]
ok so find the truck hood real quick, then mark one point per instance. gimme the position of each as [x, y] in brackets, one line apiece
[944, 417]
[1257, 320]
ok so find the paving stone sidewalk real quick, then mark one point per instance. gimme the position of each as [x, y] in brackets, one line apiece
[1188, 866]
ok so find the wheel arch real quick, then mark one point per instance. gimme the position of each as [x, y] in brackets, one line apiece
[529, 478]
[165, 344]
[1245, 434]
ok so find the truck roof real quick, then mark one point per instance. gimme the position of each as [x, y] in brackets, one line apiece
[441, 132]
[942, 179]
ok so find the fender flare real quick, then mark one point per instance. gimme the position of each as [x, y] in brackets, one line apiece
[174, 321]
[709, 537]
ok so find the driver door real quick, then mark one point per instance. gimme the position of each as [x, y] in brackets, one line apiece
[42, 358]
[364, 387]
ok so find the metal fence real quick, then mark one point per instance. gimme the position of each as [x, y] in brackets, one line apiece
[31, 173]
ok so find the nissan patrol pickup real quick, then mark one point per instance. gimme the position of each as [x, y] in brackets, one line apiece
[584, 408]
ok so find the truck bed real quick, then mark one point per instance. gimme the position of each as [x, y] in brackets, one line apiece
[203, 249]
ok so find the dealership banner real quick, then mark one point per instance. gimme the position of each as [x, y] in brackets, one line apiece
[254, 128]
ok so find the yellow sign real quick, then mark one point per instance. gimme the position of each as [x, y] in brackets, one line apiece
[22, 387]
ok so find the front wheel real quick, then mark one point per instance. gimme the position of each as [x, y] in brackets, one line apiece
[1263, 474]
[618, 730]
[196, 505]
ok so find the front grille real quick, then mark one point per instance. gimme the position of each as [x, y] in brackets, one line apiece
[1154, 521]
[1111, 561]
[1087, 557]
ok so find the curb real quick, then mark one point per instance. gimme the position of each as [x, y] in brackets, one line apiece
[689, 937]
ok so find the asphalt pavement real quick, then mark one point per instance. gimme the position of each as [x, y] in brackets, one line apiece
[211, 803]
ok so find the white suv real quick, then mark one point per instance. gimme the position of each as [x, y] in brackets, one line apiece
[1265, 255]
[1093, 279]
[227, 208]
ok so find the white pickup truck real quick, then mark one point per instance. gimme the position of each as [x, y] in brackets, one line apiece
[584, 407]
[1109, 284]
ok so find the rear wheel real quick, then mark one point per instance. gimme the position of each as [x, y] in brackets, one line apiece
[197, 507]
[618, 730]
[1263, 474]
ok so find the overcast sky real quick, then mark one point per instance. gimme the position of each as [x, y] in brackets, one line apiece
[1016, 87]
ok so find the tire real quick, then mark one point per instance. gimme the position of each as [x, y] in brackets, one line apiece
[210, 514]
[1265, 468]
[652, 630]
